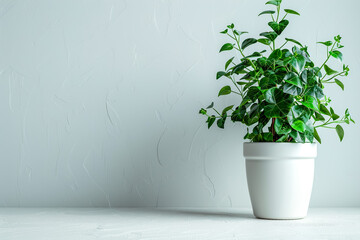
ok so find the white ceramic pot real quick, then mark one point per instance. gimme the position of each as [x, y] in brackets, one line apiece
[280, 178]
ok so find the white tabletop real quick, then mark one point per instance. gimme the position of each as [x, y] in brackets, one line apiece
[140, 223]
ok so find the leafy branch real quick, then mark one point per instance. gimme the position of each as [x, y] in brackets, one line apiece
[282, 92]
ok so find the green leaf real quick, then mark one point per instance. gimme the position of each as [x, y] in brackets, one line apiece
[270, 95]
[254, 54]
[249, 76]
[211, 120]
[327, 43]
[249, 84]
[279, 103]
[264, 41]
[289, 11]
[298, 112]
[281, 127]
[274, 2]
[224, 91]
[202, 111]
[324, 110]
[309, 131]
[298, 125]
[269, 35]
[220, 74]
[337, 38]
[226, 47]
[254, 110]
[238, 69]
[280, 73]
[263, 120]
[250, 121]
[298, 62]
[339, 83]
[221, 121]
[293, 79]
[283, 138]
[319, 117]
[308, 76]
[292, 89]
[266, 83]
[316, 136]
[231, 26]
[311, 103]
[227, 109]
[228, 62]
[294, 41]
[224, 32]
[268, 137]
[336, 54]
[275, 55]
[248, 42]
[315, 91]
[279, 27]
[267, 12]
[263, 62]
[298, 137]
[253, 93]
[210, 106]
[334, 116]
[238, 114]
[242, 83]
[239, 33]
[348, 117]
[247, 135]
[340, 132]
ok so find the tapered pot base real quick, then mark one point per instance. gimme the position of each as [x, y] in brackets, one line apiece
[280, 178]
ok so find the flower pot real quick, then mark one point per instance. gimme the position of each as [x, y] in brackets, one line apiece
[280, 178]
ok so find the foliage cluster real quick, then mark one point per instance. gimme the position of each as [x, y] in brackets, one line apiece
[282, 93]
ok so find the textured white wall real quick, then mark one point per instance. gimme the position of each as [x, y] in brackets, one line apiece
[99, 102]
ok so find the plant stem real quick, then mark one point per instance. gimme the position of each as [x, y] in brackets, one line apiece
[236, 93]
[216, 111]
[278, 13]
[333, 76]
[231, 36]
[239, 49]
[283, 44]
[273, 129]
[328, 123]
[323, 77]
[284, 17]
[326, 59]
[240, 92]
[328, 127]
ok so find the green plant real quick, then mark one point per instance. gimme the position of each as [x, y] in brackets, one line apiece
[283, 93]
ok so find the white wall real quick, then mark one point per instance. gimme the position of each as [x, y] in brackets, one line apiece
[99, 102]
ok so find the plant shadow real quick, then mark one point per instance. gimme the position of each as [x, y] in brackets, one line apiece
[206, 213]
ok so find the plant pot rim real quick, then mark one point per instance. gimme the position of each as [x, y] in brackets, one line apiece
[274, 150]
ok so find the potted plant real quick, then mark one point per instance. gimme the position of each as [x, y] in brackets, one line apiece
[282, 101]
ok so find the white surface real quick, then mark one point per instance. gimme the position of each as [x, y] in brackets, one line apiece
[99, 102]
[146, 224]
[280, 178]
